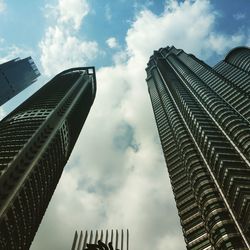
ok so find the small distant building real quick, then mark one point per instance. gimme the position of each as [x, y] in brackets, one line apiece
[118, 240]
[15, 76]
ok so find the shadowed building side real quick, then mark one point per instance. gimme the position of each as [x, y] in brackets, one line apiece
[36, 140]
[110, 240]
[203, 119]
[15, 76]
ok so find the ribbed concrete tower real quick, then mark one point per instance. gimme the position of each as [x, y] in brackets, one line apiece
[36, 140]
[203, 119]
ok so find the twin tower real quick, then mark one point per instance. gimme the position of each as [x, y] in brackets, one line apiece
[203, 119]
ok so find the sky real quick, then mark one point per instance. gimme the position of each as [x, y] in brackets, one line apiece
[116, 176]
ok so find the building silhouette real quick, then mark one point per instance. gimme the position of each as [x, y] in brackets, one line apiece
[15, 76]
[203, 119]
[101, 240]
[36, 140]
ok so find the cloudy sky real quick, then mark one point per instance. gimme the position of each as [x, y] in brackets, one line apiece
[116, 176]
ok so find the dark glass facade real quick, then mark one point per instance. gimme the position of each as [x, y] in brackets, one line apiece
[203, 119]
[111, 240]
[36, 140]
[15, 76]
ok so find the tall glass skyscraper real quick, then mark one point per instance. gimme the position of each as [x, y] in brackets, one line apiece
[36, 140]
[15, 76]
[203, 119]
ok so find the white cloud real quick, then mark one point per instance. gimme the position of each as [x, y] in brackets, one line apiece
[170, 242]
[60, 47]
[61, 50]
[2, 6]
[120, 57]
[107, 13]
[72, 11]
[112, 42]
[9, 52]
[221, 43]
[189, 25]
[239, 16]
[106, 186]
